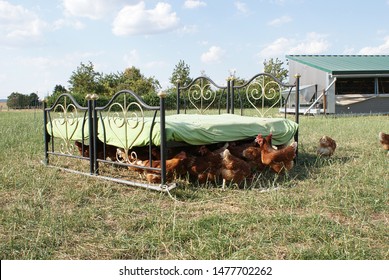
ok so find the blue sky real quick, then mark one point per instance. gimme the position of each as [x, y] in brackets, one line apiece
[43, 41]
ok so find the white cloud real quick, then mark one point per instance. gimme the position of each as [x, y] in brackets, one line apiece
[381, 49]
[193, 4]
[280, 21]
[241, 7]
[19, 24]
[214, 54]
[136, 19]
[314, 43]
[277, 48]
[92, 9]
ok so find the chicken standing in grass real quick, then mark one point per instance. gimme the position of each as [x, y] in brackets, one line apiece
[384, 140]
[326, 147]
[278, 160]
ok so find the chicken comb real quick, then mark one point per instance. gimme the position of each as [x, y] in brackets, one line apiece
[259, 137]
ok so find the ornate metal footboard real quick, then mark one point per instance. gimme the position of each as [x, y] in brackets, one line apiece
[105, 137]
[127, 125]
[66, 124]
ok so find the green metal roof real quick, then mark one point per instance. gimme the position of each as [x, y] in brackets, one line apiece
[345, 64]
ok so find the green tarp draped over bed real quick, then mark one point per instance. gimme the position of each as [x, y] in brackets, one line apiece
[191, 129]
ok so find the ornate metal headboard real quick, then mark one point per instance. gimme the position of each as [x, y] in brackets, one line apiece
[262, 92]
[200, 95]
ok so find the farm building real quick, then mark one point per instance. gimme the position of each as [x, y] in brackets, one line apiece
[341, 84]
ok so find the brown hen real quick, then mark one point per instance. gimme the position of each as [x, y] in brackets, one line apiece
[204, 165]
[326, 147]
[252, 155]
[278, 160]
[233, 169]
[248, 151]
[175, 165]
[110, 151]
[384, 140]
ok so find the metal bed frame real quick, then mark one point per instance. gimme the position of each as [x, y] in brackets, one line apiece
[127, 110]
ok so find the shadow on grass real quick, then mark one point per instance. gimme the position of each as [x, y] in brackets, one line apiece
[308, 164]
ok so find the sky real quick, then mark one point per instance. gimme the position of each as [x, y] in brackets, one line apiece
[43, 41]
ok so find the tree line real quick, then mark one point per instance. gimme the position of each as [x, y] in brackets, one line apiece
[85, 79]
[23, 101]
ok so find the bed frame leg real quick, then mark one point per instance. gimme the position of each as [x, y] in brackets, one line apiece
[297, 111]
[46, 136]
[162, 96]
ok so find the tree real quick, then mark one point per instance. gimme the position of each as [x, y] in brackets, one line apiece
[109, 83]
[17, 101]
[33, 100]
[134, 80]
[59, 89]
[84, 80]
[13, 100]
[275, 67]
[181, 72]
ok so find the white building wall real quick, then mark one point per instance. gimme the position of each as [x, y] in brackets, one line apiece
[313, 76]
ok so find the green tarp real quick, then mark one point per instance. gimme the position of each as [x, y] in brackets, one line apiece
[191, 129]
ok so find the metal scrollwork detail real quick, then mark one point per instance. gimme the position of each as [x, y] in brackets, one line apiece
[126, 156]
[201, 97]
[66, 124]
[66, 147]
[260, 90]
[129, 121]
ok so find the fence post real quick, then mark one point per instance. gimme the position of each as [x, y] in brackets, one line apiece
[228, 95]
[45, 133]
[162, 96]
[297, 103]
[94, 98]
[232, 84]
[324, 102]
[91, 137]
[297, 111]
[178, 96]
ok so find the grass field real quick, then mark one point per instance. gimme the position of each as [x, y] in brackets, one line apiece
[323, 209]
